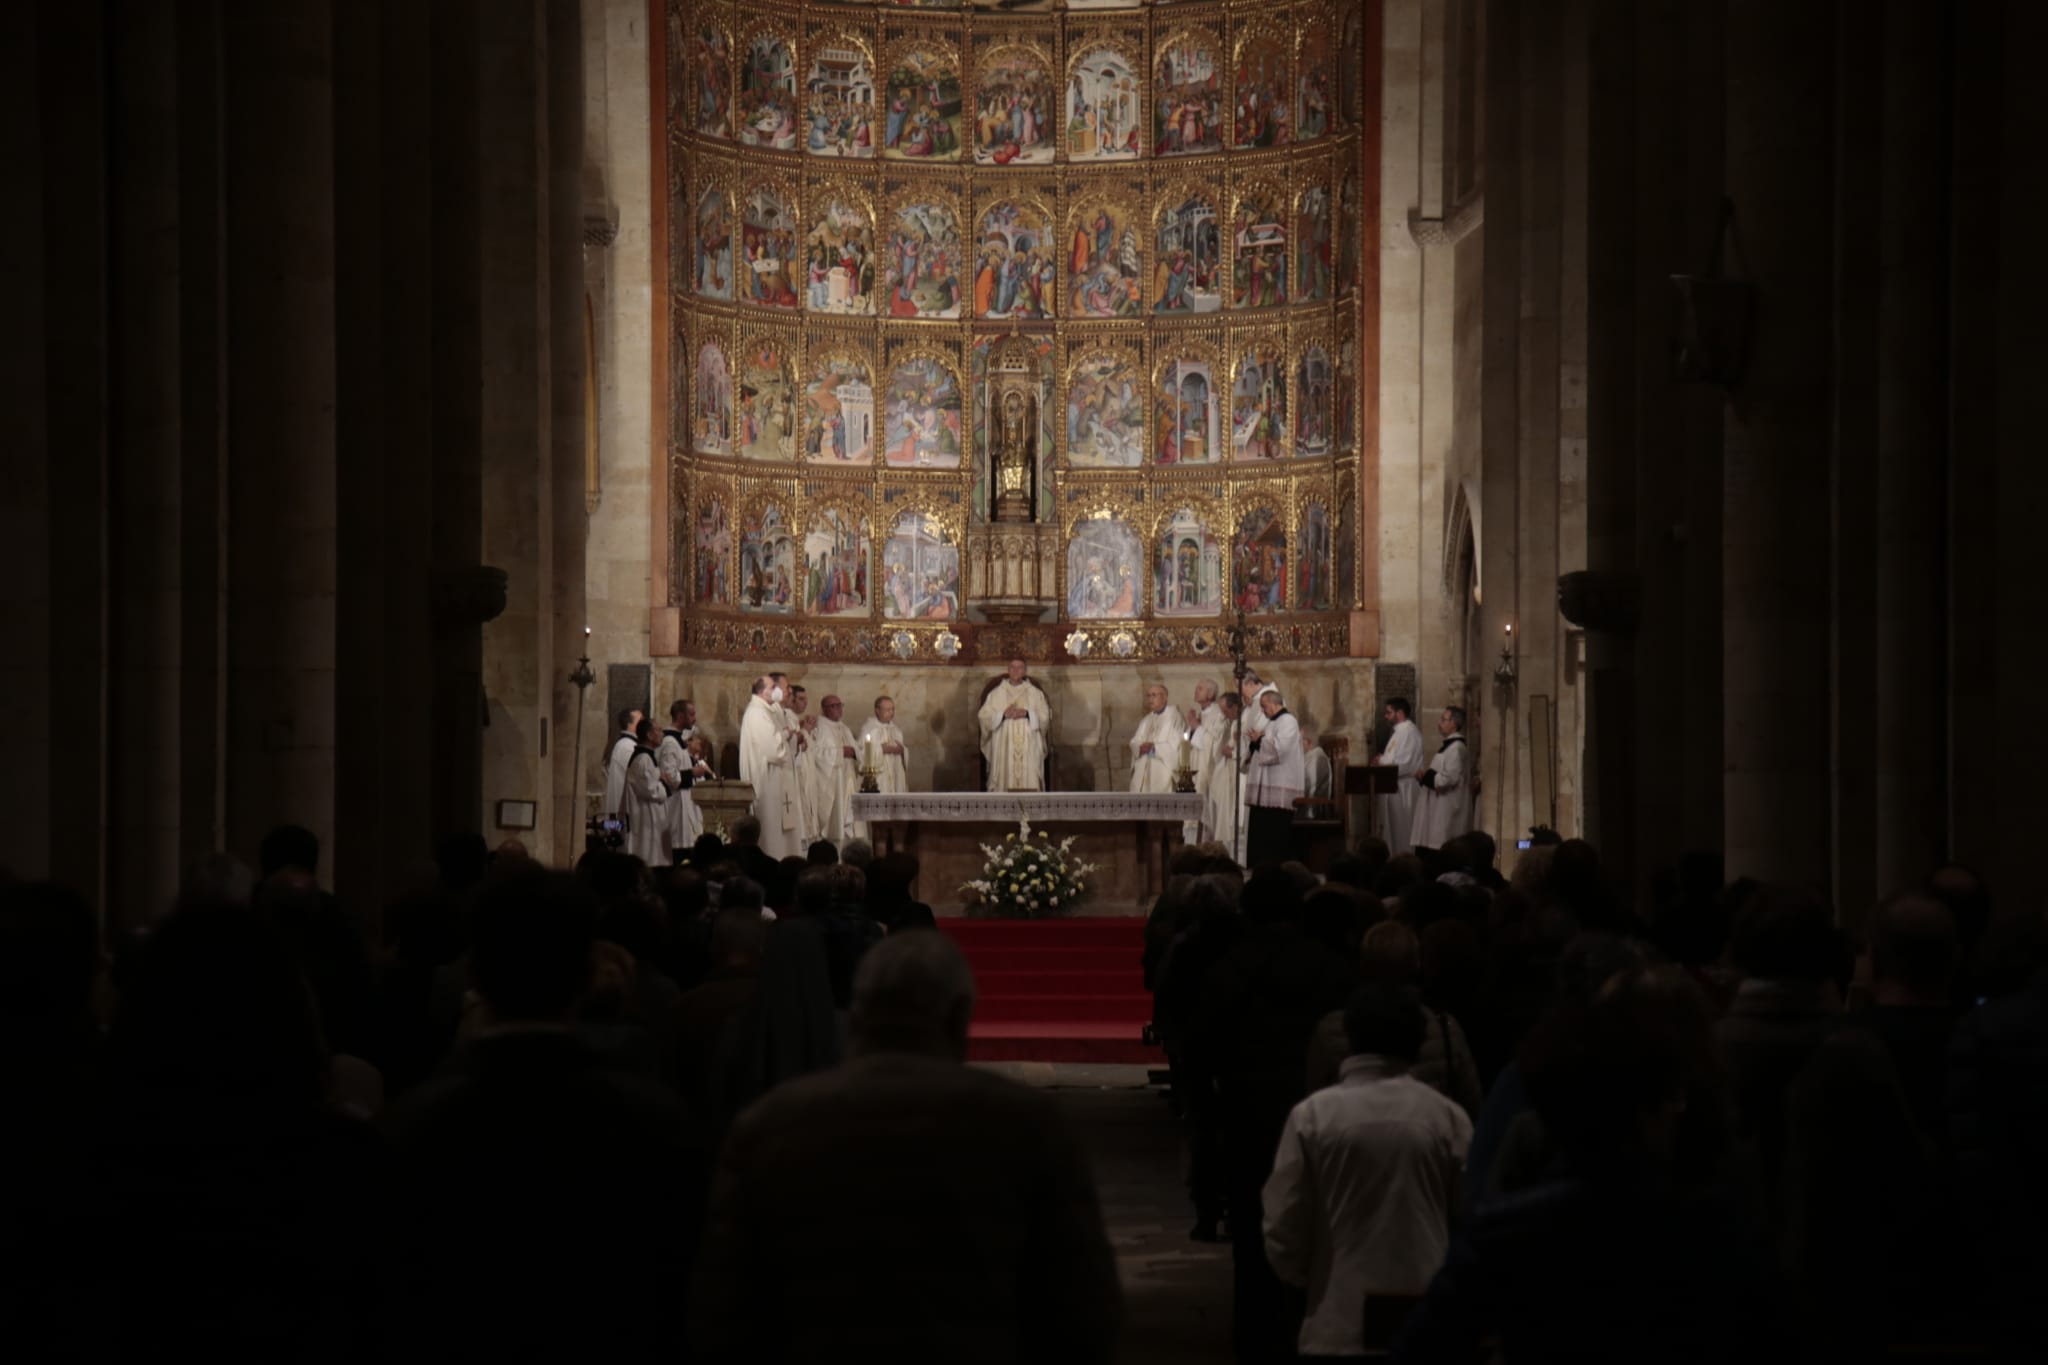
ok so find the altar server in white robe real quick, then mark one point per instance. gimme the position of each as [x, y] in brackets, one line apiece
[1273, 779]
[1155, 747]
[1014, 722]
[882, 748]
[765, 761]
[680, 771]
[1205, 732]
[1403, 754]
[834, 772]
[797, 718]
[1446, 809]
[646, 800]
[615, 762]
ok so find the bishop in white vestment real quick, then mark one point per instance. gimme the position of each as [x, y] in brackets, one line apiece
[765, 761]
[1206, 724]
[1226, 783]
[1446, 809]
[835, 773]
[1014, 720]
[799, 723]
[1155, 747]
[1318, 778]
[1404, 755]
[645, 804]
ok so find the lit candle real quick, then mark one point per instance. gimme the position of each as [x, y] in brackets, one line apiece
[1187, 754]
[873, 762]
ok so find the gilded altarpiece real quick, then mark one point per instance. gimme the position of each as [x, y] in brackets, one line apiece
[1031, 329]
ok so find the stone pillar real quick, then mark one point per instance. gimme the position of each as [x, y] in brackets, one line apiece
[281, 575]
[1779, 155]
[143, 510]
[518, 400]
[569, 320]
[27, 698]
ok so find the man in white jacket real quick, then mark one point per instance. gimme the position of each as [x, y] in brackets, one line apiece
[1155, 746]
[1446, 808]
[615, 763]
[1273, 779]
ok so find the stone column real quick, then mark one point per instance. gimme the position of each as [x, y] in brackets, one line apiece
[143, 511]
[563, 612]
[1500, 472]
[281, 576]
[1779, 155]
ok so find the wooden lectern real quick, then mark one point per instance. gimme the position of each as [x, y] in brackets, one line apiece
[1372, 781]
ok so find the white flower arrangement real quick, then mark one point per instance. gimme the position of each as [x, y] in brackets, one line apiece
[1024, 877]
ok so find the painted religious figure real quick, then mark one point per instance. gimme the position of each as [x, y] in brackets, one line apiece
[921, 109]
[840, 402]
[1264, 100]
[1349, 27]
[922, 581]
[1347, 233]
[1259, 267]
[1013, 121]
[1016, 277]
[1258, 408]
[1259, 560]
[768, 249]
[713, 550]
[839, 260]
[1105, 413]
[1312, 560]
[988, 426]
[836, 565]
[1189, 420]
[1312, 111]
[714, 246]
[712, 80]
[839, 97]
[1346, 402]
[767, 410]
[1104, 561]
[1188, 577]
[768, 94]
[1188, 258]
[713, 391]
[924, 263]
[1314, 410]
[1103, 101]
[767, 563]
[1346, 555]
[1103, 264]
[921, 416]
[1312, 243]
[1187, 97]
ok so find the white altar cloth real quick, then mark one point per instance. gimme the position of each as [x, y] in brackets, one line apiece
[1041, 807]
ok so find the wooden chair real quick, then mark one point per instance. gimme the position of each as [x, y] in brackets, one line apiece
[1322, 823]
[1050, 776]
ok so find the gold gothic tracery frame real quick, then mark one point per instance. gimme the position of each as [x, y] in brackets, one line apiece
[902, 240]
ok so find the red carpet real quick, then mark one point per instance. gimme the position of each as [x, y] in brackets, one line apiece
[1057, 990]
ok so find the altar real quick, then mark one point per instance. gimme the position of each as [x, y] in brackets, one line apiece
[1127, 835]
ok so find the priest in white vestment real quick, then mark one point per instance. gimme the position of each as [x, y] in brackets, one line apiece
[796, 716]
[766, 762]
[1205, 731]
[615, 762]
[1446, 808]
[1403, 754]
[834, 768]
[1014, 721]
[882, 748]
[1155, 747]
[1317, 775]
[1225, 818]
[645, 804]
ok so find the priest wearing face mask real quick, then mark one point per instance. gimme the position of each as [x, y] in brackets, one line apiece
[1274, 777]
[768, 761]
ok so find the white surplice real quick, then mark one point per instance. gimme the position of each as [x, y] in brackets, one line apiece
[1446, 808]
[832, 778]
[893, 772]
[1015, 749]
[1226, 803]
[1153, 772]
[1397, 811]
[1204, 740]
[765, 761]
[646, 809]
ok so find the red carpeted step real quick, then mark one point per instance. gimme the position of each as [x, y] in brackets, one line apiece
[1061, 1042]
[996, 985]
[1092, 1009]
[972, 934]
[1128, 961]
